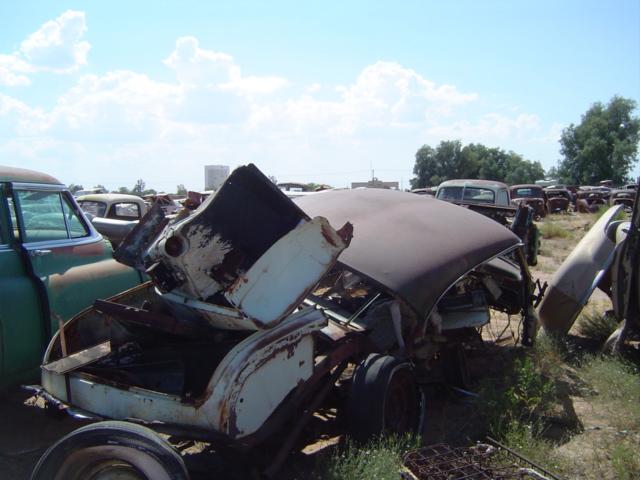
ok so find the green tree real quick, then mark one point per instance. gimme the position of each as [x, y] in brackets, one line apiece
[139, 187]
[124, 190]
[73, 188]
[101, 187]
[603, 146]
[451, 160]
[181, 189]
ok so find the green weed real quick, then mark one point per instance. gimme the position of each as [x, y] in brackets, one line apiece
[625, 461]
[553, 230]
[597, 325]
[617, 386]
[380, 459]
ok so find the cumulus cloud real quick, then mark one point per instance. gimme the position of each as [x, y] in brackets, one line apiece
[196, 66]
[126, 121]
[57, 47]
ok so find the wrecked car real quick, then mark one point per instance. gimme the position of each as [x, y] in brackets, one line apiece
[259, 308]
[623, 196]
[53, 264]
[492, 199]
[532, 195]
[559, 199]
[605, 258]
[113, 214]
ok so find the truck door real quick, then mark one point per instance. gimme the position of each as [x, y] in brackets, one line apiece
[21, 335]
[67, 257]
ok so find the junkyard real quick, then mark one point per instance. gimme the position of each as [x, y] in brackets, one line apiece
[320, 240]
[271, 332]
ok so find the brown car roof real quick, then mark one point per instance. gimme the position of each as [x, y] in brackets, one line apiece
[22, 175]
[413, 245]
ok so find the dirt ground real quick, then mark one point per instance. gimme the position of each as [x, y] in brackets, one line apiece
[27, 431]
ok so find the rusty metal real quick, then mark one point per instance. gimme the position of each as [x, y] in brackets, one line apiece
[482, 461]
[153, 320]
[296, 430]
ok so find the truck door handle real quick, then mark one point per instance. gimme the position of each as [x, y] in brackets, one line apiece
[39, 253]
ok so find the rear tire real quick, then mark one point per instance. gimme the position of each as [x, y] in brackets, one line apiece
[385, 398]
[111, 450]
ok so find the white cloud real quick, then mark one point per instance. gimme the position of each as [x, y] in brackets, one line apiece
[215, 70]
[56, 47]
[13, 70]
[124, 125]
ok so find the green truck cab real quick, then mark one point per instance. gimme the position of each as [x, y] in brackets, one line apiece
[53, 264]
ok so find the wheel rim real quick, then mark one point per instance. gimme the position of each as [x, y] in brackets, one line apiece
[401, 403]
[111, 462]
[112, 470]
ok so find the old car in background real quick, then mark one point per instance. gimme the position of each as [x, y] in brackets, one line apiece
[259, 308]
[559, 199]
[429, 191]
[623, 196]
[113, 214]
[53, 264]
[117, 206]
[492, 199]
[532, 195]
[607, 257]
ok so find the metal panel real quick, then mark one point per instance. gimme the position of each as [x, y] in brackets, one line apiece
[280, 279]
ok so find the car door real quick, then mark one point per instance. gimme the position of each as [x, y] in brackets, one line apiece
[21, 332]
[68, 259]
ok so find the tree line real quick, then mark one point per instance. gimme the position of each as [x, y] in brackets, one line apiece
[603, 146]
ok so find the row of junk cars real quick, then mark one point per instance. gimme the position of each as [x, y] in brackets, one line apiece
[549, 199]
[247, 313]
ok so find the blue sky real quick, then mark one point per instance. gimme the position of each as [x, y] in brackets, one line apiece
[108, 92]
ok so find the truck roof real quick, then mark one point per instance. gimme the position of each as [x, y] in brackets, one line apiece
[23, 175]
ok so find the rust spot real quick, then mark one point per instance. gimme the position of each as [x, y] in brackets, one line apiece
[346, 233]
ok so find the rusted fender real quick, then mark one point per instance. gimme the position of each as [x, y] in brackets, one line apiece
[579, 275]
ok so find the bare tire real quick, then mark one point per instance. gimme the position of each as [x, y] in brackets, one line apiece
[385, 398]
[111, 451]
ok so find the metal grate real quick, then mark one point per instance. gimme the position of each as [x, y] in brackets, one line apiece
[441, 462]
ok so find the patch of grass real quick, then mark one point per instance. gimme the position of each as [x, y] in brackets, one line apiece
[529, 394]
[625, 461]
[597, 325]
[603, 208]
[553, 230]
[525, 439]
[380, 459]
[617, 386]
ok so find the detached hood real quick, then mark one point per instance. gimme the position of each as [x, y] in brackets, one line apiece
[248, 247]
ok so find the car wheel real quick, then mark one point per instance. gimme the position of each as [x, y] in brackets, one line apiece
[385, 398]
[111, 451]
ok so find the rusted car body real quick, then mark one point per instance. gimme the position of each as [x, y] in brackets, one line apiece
[558, 200]
[623, 196]
[258, 305]
[532, 195]
[585, 269]
[492, 199]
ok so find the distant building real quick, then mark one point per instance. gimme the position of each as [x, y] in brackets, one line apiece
[214, 176]
[375, 183]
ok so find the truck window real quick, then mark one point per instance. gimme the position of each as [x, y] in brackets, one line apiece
[77, 229]
[503, 197]
[44, 214]
[124, 211]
